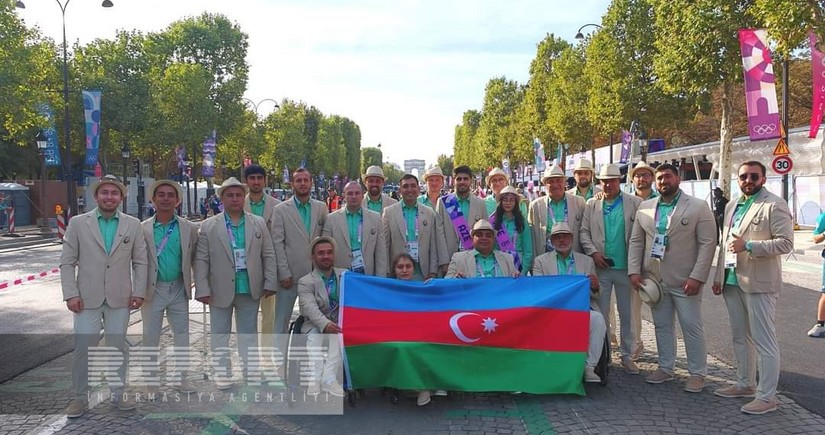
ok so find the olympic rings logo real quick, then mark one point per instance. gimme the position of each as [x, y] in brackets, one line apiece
[764, 128]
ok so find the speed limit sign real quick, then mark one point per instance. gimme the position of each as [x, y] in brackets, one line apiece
[782, 165]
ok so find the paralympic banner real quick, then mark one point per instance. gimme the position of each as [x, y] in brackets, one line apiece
[538, 152]
[52, 152]
[760, 85]
[210, 149]
[818, 67]
[483, 334]
[91, 110]
[627, 138]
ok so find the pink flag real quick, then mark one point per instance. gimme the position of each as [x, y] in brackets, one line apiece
[818, 67]
[760, 87]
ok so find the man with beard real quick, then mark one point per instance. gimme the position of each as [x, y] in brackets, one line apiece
[456, 214]
[583, 174]
[557, 206]
[642, 177]
[358, 235]
[410, 227]
[758, 231]
[376, 199]
[434, 179]
[483, 261]
[673, 242]
[103, 270]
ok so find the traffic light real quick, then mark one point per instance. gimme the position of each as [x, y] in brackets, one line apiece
[136, 167]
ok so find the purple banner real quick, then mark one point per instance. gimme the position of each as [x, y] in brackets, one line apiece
[91, 109]
[654, 145]
[52, 152]
[504, 242]
[626, 139]
[180, 156]
[818, 102]
[760, 85]
[210, 149]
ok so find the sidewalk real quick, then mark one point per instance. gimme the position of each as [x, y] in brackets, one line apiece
[32, 403]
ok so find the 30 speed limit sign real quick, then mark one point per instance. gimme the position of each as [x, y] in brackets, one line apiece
[782, 165]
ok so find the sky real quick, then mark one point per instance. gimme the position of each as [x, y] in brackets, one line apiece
[404, 70]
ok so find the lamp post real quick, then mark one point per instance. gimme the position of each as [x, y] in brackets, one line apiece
[580, 35]
[71, 193]
[125, 152]
[188, 170]
[42, 143]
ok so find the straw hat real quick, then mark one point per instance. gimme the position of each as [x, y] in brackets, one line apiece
[552, 172]
[109, 179]
[560, 228]
[232, 182]
[373, 171]
[609, 171]
[481, 225]
[641, 166]
[321, 239]
[651, 291]
[508, 189]
[583, 165]
[435, 171]
[497, 172]
[159, 183]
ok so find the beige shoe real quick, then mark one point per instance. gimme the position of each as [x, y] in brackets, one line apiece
[658, 377]
[590, 376]
[630, 367]
[314, 389]
[334, 388]
[76, 408]
[759, 407]
[695, 384]
[734, 391]
[423, 397]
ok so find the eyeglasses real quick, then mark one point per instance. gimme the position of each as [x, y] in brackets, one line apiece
[752, 175]
[642, 175]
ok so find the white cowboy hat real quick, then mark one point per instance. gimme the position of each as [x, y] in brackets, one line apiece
[508, 189]
[609, 171]
[497, 172]
[109, 179]
[232, 182]
[481, 225]
[583, 165]
[651, 291]
[159, 183]
[560, 228]
[373, 171]
[435, 171]
[641, 166]
[552, 172]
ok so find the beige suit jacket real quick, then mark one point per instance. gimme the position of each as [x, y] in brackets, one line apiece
[313, 300]
[215, 262]
[690, 248]
[395, 233]
[88, 272]
[291, 238]
[269, 211]
[464, 262]
[188, 241]
[447, 234]
[386, 201]
[769, 227]
[592, 230]
[373, 243]
[537, 216]
[546, 264]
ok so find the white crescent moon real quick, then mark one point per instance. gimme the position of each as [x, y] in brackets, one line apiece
[457, 330]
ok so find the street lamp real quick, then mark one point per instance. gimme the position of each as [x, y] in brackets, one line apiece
[71, 193]
[125, 152]
[579, 34]
[187, 164]
[42, 143]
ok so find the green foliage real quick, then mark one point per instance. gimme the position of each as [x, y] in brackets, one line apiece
[445, 162]
[392, 173]
[789, 21]
[371, 156]
[567, 99]
[497, 130]
[465, 140]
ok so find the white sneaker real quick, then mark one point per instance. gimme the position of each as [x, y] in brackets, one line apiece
[423, 397]
[817, 331]
[334, 388]
[590, 375]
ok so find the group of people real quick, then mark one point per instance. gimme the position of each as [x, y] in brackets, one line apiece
[261, 254]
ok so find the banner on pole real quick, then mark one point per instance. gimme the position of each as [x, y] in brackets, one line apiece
[760, 85]
[538, 152]
[52, 152]
[818, 101]
[91, 110]
[210, 149]
[627, 138]
[285, 174]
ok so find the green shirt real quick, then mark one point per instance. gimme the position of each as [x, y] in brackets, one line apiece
[354, 220]
[257, 207]
[464, 205]
[305, 210]
[742, 206]
[615, 244]
[564, 265]
[491, 203]
[664, 210]
[558, 212]
[239, 232]
[171, 258]
[108, 228]
[410, 216]
[424, 199]
[376, 206]
[587, 195]
[331, 284]
[522, 241]
[486, 267]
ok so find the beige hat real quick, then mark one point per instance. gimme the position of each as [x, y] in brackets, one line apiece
[481, 225]
[159, 183]
[321, 239]
[232, 182]
[651, 291]
[435, 171]
[552, 172]
[560, 228]
[497, 172]
[508, 189]
[609, 171]
[643, 166]
[373, 171]
[109, 179]
[583, 165]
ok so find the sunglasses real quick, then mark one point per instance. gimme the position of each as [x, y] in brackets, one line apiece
[754, 177]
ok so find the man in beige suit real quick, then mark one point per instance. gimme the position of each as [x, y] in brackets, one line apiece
[583, 174]
[456, 213]
[103, 275]
[375, 199]
[297, 223]
[673, 241]
[564, 261]
[605, 232]
[557, 206]
[234, 267]
[260, 204]
[409, 226]
[319, 298]
[758, 231]
[483, 261]
[170, 241]
[358, 235]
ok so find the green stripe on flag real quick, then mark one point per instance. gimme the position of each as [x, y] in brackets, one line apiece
[416, 366]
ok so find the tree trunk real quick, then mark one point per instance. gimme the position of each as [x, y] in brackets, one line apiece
[725, 140]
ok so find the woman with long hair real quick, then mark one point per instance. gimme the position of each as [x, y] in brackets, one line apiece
[515, 237]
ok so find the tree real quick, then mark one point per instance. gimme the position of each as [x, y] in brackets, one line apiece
[445, 163]
[285, 137]
[370, 156]
[392, 173]
[465, 148]
[567, 93]
[497, 129]
[788, 21]
[351, 135]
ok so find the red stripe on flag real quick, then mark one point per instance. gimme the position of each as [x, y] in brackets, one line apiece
[518, 328]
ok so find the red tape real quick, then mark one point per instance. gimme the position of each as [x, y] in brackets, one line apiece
[5, 285]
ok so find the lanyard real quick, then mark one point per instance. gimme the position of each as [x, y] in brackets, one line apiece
[552, 214]
[159, 248]
[669, 215]
[360, 231]
[571, 267]
[481, 271]
[229, 231]
[333, 299]
[606, 211]
[416, 222]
